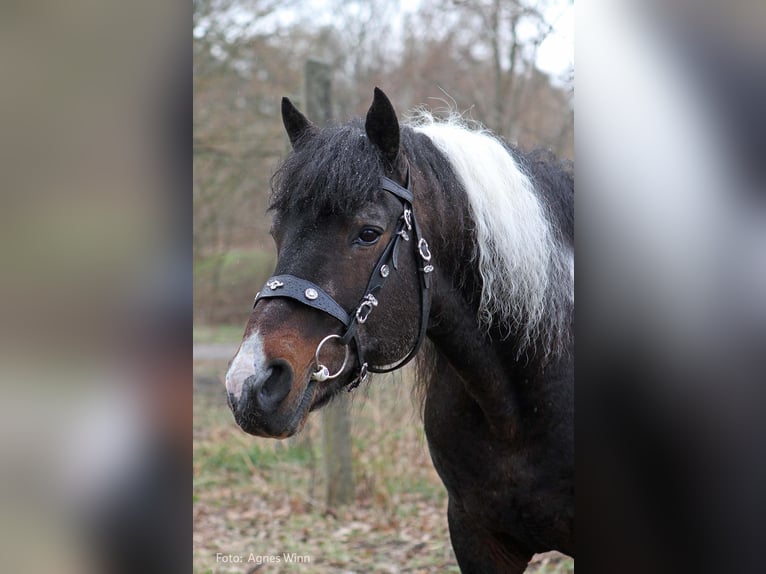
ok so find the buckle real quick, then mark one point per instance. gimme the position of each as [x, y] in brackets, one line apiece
[408, 219]
[365, 308]
[361, 378]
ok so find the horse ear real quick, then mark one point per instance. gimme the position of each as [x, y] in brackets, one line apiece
[382, 127]
[297, 125]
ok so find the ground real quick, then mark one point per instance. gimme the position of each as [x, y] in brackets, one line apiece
[261, 500]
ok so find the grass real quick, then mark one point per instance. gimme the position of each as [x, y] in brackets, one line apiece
[266, 497]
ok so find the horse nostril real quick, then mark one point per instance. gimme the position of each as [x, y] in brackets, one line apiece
[273, 388]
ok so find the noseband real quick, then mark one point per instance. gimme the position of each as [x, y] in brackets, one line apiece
[312, 295]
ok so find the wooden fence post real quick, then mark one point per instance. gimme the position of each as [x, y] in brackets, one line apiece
[336, 423]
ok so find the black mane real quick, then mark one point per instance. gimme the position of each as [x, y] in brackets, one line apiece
[553, 179]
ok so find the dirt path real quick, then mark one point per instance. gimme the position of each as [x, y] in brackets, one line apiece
[214, 351]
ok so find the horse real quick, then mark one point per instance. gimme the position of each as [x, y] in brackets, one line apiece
[431, 239]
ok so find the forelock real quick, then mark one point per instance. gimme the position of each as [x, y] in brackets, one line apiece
[335, 172]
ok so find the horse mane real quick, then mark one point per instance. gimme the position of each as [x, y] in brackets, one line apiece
[524, 242]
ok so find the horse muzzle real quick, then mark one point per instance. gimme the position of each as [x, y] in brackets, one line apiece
[273, 381]
[257, 404]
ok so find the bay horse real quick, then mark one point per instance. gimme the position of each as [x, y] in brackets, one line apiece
[389, 235]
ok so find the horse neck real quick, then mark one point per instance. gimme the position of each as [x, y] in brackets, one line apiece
[457, 337]
[490, 365]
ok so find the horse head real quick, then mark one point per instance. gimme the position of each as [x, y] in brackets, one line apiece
[344, 227]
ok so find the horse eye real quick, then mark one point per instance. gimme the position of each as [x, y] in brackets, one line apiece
[368, 236]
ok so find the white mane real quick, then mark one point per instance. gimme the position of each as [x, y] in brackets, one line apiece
[527, 276]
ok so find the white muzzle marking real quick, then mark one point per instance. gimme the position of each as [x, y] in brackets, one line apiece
[250, 360]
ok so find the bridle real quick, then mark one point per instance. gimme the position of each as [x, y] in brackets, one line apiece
[312, 295]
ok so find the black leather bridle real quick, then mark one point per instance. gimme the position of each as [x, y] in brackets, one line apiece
[310, 294]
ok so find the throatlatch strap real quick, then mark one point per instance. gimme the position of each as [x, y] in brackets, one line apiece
[424, 273]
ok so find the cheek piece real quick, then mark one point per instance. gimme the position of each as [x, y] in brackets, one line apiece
[313, 295]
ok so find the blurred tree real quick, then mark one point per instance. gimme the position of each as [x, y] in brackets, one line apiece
[238, 75]
[492, 45]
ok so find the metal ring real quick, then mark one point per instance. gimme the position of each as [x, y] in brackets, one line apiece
[425, 252]
[322, 372]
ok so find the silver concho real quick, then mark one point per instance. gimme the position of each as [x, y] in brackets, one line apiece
[311, 294]
[384, 271]
[274, 284]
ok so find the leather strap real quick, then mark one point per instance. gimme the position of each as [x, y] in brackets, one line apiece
[392, 187]
[304, 292]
